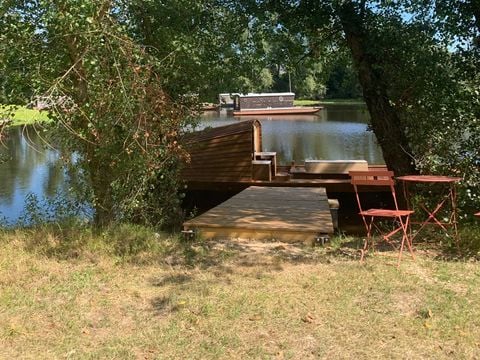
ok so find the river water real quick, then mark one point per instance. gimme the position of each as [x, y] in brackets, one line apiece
[337, 132]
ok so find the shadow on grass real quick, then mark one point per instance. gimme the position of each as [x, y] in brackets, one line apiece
[143, 246]
[174, 279]
[163, 305]
[214, 253]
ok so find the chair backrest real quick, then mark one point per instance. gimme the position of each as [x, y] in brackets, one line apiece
[373, 178]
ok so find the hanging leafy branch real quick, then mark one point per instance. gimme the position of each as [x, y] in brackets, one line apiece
[111, 110]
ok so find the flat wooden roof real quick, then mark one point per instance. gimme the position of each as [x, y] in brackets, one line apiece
[266, 94]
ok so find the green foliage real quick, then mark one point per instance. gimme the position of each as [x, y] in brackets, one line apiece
[419, 61]
[437, 95]
[206, 47]
[122, 70]
[130, 240]
[433, 85]
[343, 82]
[61, 208]
[308, 80]
[66, 240]
[113, 114]
[434, 88]
[470, 238]
[266, 80]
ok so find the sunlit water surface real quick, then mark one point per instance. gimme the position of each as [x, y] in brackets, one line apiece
[335, 133]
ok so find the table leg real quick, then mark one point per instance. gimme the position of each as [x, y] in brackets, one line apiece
[432, 215]
[406, 195]
[453, 218]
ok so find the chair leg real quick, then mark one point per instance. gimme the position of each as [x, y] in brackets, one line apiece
[370, 233]
[368, 239]
[405, 238]
[403, 228]
[401, 250]
[387, 237]
[409, 239]
[364, 250]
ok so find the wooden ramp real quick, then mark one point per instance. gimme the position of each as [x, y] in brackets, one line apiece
[268, 213]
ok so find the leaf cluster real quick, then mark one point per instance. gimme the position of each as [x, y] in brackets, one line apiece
[111, 110]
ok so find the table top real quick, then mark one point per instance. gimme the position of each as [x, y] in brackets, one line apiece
[429, 178]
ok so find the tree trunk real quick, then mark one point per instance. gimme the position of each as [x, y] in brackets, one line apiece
[384, 120]
[100, 174]
[103, 201]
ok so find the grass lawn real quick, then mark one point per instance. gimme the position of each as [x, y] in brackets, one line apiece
[328, 102]
[22, 115]
[233, 300]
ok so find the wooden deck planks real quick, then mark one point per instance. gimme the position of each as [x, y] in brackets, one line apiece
[281, 213]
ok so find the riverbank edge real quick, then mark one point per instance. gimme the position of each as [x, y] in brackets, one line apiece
[329, 102]
[24, 116]
[21, 115]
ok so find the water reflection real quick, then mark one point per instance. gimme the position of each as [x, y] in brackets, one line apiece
[335, 133]
[26, 167]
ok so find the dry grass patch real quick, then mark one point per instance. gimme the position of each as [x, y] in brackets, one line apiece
[235, 300]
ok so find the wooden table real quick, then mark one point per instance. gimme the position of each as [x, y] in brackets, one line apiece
[447, 197]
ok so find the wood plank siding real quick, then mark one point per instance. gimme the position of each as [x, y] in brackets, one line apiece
[230, 158]
[263, 101]
[224, 153]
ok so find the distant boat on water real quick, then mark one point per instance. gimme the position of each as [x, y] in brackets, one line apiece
[295, 110]
[269, 104]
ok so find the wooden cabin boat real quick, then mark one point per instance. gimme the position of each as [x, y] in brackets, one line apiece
[231, 157]
[268, 104]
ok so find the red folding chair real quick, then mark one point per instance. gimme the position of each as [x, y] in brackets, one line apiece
[400, 218]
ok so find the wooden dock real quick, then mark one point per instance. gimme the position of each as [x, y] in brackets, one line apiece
[268, 213]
